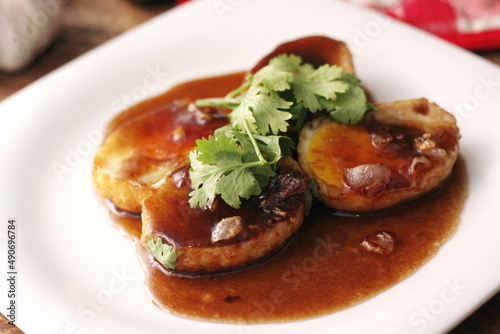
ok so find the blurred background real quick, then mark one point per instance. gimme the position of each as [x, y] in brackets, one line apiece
[38, 36]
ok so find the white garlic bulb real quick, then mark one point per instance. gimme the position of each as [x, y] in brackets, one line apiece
[26, 28]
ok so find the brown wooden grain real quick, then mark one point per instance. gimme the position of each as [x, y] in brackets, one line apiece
[85, 25]
[6, 328]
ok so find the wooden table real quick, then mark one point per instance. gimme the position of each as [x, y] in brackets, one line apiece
[88, 23]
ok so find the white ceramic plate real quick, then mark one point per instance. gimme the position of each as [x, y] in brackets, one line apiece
[78, 274]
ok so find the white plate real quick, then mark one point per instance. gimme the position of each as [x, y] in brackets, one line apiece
[77, 274]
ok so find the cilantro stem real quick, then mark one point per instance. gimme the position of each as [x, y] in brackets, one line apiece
[239, 90]
[254, 143]
[229, 101]
[231, 167]
[218, 102]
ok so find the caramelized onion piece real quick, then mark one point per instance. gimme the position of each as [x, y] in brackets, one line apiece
[419, 161]
[227, 228]
[380, 139]
[424, 142]
[380, 242]
[370, 178]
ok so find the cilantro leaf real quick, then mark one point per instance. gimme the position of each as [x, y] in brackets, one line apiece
[212, 158]
[234, 165]
[239, 183]
[350, 106]
[220, 166]
[225, 150]
[273, 147]
[261, 109]
[310, 84]
[279, 73]
[204, 180]
[162, 252]
[350, 78]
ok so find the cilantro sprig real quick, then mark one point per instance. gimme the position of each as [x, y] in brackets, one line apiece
[234, 164]
[239, 159]
[163, 252]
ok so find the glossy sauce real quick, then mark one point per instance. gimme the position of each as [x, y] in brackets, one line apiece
[330, 264]
[171, 217]
[336, 146]
[166, 128]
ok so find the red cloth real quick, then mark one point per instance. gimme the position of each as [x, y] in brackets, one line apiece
[472, 24]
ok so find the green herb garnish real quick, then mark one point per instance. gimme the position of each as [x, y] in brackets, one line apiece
[239, 159]
[163, 252]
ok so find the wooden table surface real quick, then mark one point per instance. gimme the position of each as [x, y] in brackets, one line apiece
[88, 23]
